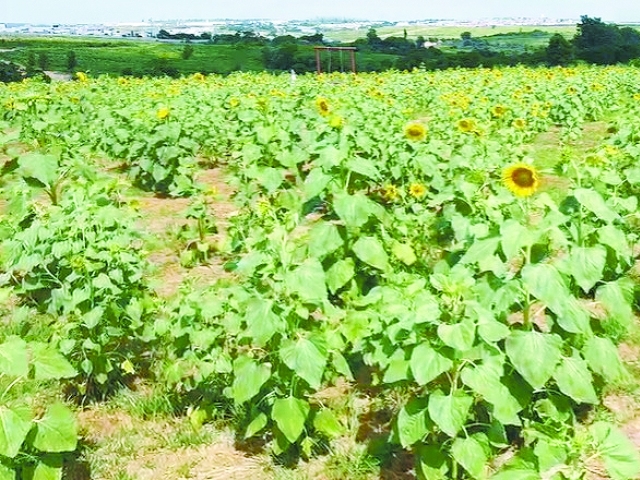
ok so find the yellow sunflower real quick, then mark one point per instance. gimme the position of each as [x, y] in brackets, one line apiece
[322, 104]
[498, 111]
[81, 77]
[390, 193]
[417, 190]
[415, 131]
[519, 123]
[523, 180]
[234, 102]
[336, 121]
[162, 113]
[467, 125]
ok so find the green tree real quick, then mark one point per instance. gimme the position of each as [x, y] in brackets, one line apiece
[187, 52]
[72, 61]
[596, 41]
[43, 60]
[559, 51]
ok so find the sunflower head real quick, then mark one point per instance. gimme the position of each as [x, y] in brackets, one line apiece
[417, 190]
[390, 193]
[415, 132]
[81, 77]
[467, 125]
[198, 77]
[519, 123]
[162, 113]
[636, 96]
[322, 104]
[523, 180]
[234, 102]
[498, 111]
[336, 121]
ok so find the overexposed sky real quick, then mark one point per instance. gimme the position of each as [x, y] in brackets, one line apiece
[105, 11]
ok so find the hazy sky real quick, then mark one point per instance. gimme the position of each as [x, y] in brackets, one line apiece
[87, 11]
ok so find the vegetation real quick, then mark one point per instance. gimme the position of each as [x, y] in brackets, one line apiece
[407, 247]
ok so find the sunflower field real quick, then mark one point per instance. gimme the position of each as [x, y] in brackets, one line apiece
[433, 245]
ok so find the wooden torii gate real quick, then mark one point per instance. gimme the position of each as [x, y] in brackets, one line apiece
[351, 50]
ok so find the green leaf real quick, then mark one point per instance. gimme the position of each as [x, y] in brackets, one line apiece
[615, 239]
[485, 380]
[14, 357]
[412, 423]
[49, 364]
[43, 168]
[516, 474]
[249, 376]
[432, 463]
[371, 252]
[459, 336]
[262, 321]
[326, 423]
[449, 412]
[324, 238]
[364, 167]
[534, 355]
[56, 431]
[397, 371]
[480, 250]
[587, 265]
[593, 201]
[545, 283]
[550, 454]
[290, 415]
[308, 282]
[353, 210]
[404, 252]
[315, 183]
[602, 357]
[514, 237]
[574, 380]
[470, 453]
[427, 364]
[15, 424]
[7, 473]
[48, 468]
[305, 359]
[340, 273]
[612, 297]
[620, 456]
[257, 424]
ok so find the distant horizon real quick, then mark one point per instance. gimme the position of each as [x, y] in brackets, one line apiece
[49, 12]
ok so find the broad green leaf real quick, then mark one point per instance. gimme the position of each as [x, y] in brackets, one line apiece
[43, 168]
[615, 239]
[449, 412]
[49, 364]
[364, 167]
[612, 297]
[545, 283]
[602, 356]
[14, 357]
[397, 370]
[593, 201]
[326, 423]
[550, 454]
[432, 463]
[340, 273]
[257, 424]
[620, 456]
[412, 423]
[324, 238]
[305, 359]
[56, 431]
[353, 210]
[459, 336]
[404, 252]
[427, 364]
[516, 474]
[308, 282]
[480, 250]
[48, 468]
[371, 252]
[587, 265]
[15, 424]
[574, 380]
[315, 183]
[249, 376]
[341, 365]
[485, 381]
[7, 473]
[262, 322]
[514, 237]
[290, 414]
[470, 453]
[534, 355]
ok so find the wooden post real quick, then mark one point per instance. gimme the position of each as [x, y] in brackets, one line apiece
[318, 65]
